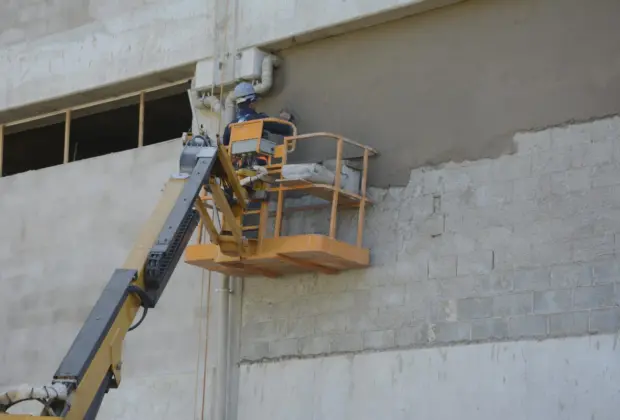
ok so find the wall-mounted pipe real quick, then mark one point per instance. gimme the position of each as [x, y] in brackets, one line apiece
[209, 102]
[265, 84]
[202, 102]
[223, 293]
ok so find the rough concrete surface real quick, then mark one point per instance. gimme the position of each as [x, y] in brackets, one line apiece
[284, 21]
[456, 83]
[563, 379]
[524, 246]
[51, 49]
[64, 230]
[518, 247]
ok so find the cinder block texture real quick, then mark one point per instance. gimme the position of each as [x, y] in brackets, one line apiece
[528, 250]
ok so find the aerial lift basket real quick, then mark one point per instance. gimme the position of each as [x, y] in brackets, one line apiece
[238, 253]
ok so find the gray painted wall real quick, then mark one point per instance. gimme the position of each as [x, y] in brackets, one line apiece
[458, 82]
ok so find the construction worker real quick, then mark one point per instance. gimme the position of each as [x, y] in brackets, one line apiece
[255, 172]
[246, 111]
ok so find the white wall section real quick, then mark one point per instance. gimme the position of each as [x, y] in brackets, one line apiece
[266, 22]
[566, 379]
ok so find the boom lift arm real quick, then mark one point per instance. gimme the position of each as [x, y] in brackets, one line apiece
[93, 363]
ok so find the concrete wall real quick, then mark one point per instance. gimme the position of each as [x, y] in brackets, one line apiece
[515, 240]
[55, 54]
[502, 260]
[458, 82]
[522, 247]
[455, 83]
[50, 49]
[525, 246]
[567, 379]
[64, 230]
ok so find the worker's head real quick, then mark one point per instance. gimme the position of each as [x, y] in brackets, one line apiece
[245, 96]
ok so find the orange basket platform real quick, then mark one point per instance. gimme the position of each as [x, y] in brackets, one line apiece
[280, 255]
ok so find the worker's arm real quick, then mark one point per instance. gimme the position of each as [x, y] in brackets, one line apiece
[276, 127]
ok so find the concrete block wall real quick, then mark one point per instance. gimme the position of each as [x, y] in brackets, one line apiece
[520, 247]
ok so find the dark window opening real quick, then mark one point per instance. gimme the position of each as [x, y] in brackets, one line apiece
[33, 149]
[97, 131]
[166, 118]
[104, 133]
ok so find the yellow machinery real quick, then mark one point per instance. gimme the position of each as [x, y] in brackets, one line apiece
[207, 178]
[280, 255]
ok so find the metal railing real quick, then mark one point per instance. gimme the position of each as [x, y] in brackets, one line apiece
[363, 199]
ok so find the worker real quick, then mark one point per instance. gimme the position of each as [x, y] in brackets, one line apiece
[253, 173]
[246, 111]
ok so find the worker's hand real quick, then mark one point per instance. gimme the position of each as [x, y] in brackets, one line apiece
[286, 115]
[261, 171]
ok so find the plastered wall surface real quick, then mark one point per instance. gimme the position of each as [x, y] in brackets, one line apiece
[520, 247]
[277, 20]
[567, 379]
[64, 230]
[455, 83]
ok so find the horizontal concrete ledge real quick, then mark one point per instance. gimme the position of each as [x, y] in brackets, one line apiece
[206, 72]
[402, 10]
[100, 93]
[270, 360]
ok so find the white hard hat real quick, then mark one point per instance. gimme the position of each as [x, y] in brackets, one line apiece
[244, 92]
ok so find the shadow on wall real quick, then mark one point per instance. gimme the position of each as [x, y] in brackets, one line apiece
[454, 84]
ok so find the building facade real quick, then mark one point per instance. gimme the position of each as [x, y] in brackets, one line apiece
[495, 281]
